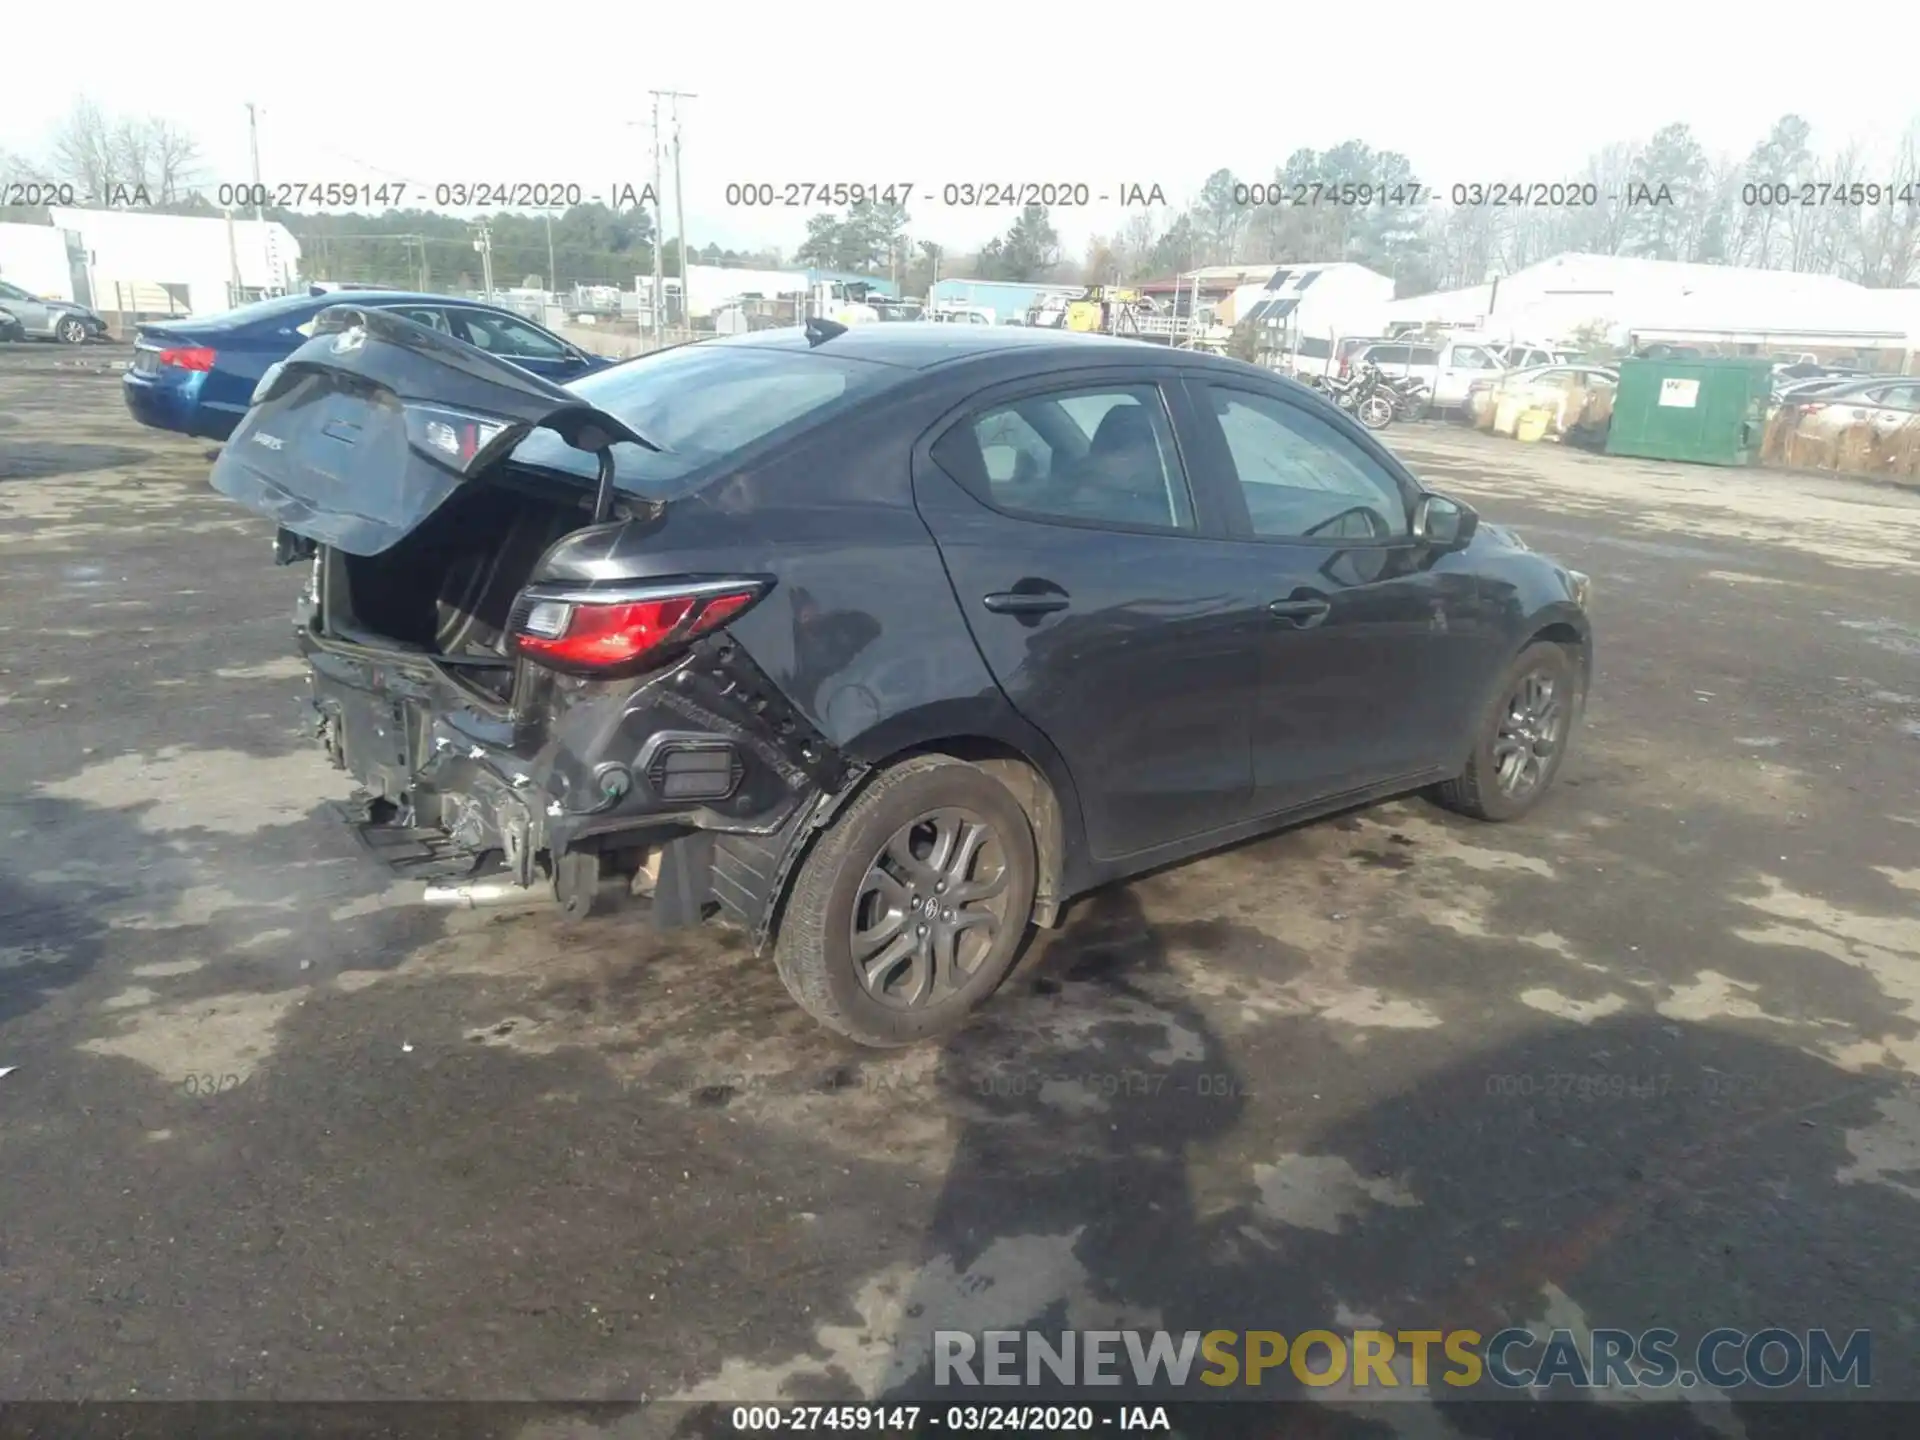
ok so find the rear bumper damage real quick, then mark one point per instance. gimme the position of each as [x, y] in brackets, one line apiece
[691, 793]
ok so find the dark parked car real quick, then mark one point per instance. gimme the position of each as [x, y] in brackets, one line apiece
[883, 641]
[197, 375]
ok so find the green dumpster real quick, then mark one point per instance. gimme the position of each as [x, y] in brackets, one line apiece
[1707, 410]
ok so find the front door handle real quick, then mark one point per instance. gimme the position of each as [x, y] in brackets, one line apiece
[1303, 613]
[1022, 602]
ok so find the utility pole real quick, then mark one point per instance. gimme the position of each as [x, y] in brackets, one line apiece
[679, 195]
[259, 191]
[253, 140]
[659, 233]
[553, 279]
[484, 244]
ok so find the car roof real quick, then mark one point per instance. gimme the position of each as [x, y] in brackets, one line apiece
[279, 309]
[921, 345]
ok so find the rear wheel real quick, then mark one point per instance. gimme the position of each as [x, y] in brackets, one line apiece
[909, 909]
[1521, 740]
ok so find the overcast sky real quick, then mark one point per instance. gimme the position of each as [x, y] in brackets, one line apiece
[985, 91]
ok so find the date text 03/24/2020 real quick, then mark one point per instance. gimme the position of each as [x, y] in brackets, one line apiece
[955, 194]
[962, 1419]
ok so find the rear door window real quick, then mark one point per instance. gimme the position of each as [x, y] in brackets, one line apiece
[1473, 357]
[1103, 455]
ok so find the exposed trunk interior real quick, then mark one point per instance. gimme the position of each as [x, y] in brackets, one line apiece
[446, 589]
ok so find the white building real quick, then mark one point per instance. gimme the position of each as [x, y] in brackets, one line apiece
[1323, 300]
[141, 263]
[36, 258]
[1627, 299]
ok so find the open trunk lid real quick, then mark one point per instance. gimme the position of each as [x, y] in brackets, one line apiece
[371, 425]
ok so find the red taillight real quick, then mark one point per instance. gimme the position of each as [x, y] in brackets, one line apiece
[188, 357]
[1344, 371]
[581, 631]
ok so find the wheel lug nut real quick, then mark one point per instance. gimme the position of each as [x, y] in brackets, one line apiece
[946, 915]
[919, 929]
[941, 888]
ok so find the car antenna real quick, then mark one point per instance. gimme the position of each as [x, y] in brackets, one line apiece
[819, 329]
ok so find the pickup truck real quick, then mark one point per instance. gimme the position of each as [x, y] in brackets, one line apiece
[1448, 368]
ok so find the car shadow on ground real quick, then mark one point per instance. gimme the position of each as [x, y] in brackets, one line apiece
[1715, 1184]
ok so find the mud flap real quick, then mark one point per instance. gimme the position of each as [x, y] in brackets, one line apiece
[685, 885]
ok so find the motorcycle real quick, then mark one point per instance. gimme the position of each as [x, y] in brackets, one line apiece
[1409, 396]
[1365, 395]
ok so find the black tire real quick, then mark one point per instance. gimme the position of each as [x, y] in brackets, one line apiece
[71, 331]
[814, 949]
[1375, 412]
[1478, 790]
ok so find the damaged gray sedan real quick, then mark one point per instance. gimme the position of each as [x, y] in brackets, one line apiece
[884, 642]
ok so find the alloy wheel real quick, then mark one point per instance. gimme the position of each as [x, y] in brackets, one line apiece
[1531, 731]
[72, 331]
[928, 908]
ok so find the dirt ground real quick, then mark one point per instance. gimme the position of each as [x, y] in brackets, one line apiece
[269, 1129]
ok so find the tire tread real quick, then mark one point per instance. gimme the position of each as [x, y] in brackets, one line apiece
[800, 947]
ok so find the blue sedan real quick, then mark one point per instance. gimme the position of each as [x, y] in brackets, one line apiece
[197, 376]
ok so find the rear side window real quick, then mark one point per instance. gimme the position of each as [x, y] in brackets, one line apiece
[703, 405]
[509, 338]
[1312, 349]
[1388, 354]
[1099, 456]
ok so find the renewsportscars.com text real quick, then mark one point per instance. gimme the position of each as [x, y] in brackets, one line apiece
[1516, 1359]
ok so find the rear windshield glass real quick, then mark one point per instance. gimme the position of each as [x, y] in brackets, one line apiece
[704, 404]
[278, 307]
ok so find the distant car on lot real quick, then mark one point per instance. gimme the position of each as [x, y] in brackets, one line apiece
[35, 318]
[1580, 397]
[197, 376]
[884, 641]
[1447, 368]
[1887, 401]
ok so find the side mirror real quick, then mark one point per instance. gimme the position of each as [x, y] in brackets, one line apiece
[1444, 523]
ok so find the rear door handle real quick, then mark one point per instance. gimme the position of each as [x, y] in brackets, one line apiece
[1303, 613]
[1020, 602]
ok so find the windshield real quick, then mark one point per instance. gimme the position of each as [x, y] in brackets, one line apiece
[703, 405]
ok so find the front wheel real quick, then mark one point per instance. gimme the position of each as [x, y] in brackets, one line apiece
[910, 908]
[72, 331]
[1521, 739]
[1376, 412]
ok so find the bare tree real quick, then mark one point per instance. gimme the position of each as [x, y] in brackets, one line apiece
[82, 152]
[1817, 236]
[1880, 220]
[1103, 264]
[176, 161]
[132, 148]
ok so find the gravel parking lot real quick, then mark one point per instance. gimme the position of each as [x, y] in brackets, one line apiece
[1649, 1057]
